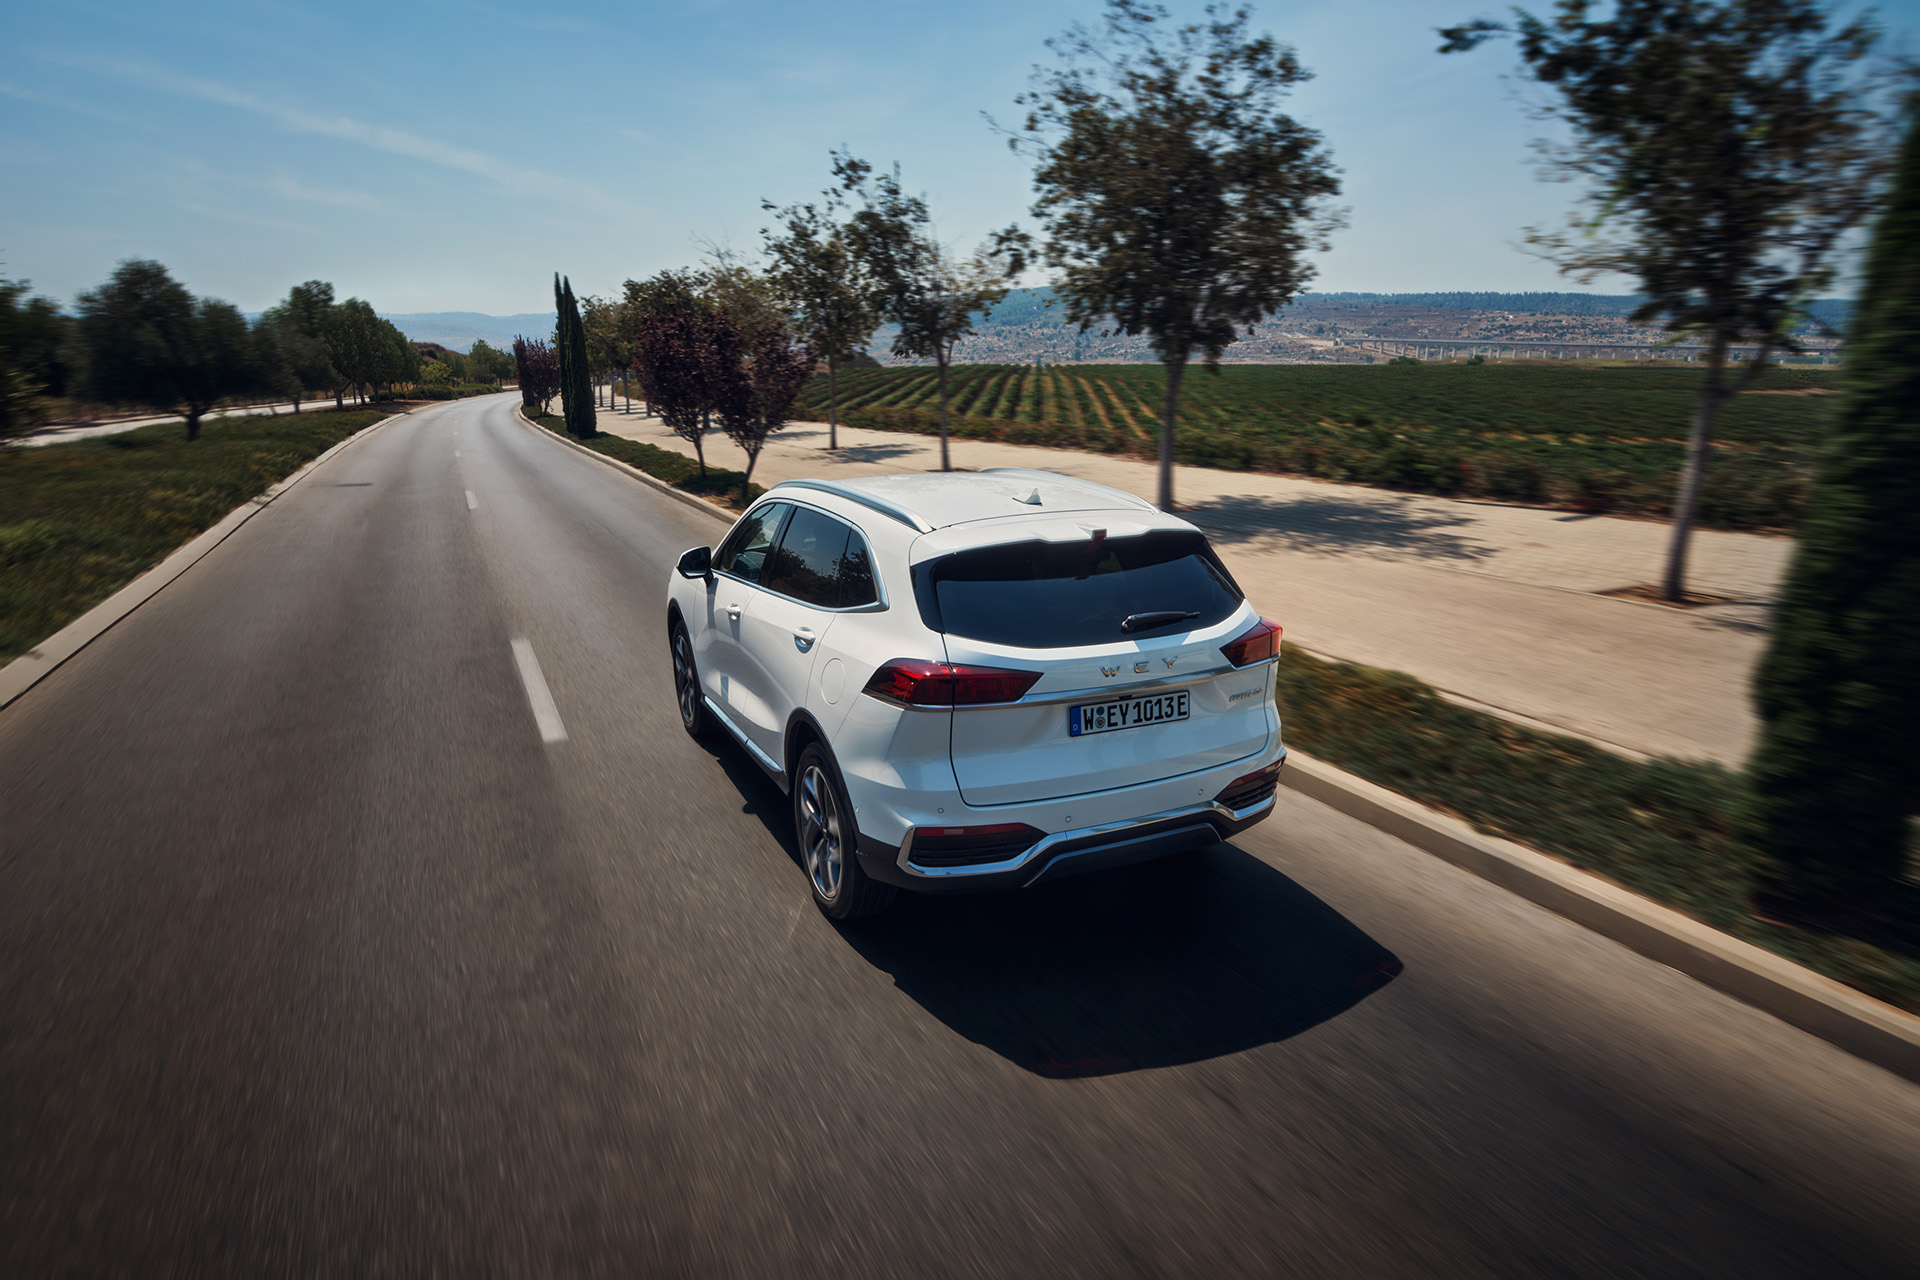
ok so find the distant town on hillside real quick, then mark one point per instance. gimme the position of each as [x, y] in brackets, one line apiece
[1316, 328]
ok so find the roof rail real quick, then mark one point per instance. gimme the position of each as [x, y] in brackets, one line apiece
[862, 498]
[1057, 478]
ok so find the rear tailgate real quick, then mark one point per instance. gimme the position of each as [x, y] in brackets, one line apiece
[1145, 711]
[1122, 639]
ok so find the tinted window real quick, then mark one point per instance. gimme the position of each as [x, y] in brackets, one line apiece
[1050, 595]
[744, 553]
[821, 561]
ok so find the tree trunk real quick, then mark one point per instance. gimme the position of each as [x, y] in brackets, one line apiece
[833, 408]
[944, 464]
[339, 401]
[700, 441]
[193, 424]
[1706, 409]
[746, 480]
[1176, 370]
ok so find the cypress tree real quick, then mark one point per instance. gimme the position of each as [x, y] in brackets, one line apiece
[563, 348]
[1837, 772]
[580, 417]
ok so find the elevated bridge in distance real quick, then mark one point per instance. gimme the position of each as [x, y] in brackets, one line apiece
[1510, 349]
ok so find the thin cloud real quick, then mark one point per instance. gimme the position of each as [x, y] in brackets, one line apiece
[78, 108]
[236, 215]
[397, 142]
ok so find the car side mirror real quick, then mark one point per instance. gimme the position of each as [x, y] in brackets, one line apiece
[697, 563]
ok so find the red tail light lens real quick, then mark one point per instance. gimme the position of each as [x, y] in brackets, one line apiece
[915, 682]
[1256, 644]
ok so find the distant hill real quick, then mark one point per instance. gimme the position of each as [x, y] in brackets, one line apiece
[1030, 306]
[458, 329]
[1030, 323]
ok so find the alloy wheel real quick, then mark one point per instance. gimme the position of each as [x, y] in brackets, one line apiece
[820, 832]
[684, 685]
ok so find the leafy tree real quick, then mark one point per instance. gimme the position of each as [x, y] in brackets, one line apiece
[608, 347]
[1727, 146]
[825, 286]
[931, 296]
[33, 338]
[487, 363]
[360, 345]
[1178, 198]
[658, 295]
[20, 407]
[436, 373]
[1837, 772]
[145, 340]
[297, 329]
[757, 378]
[683, 355]
[538, 370]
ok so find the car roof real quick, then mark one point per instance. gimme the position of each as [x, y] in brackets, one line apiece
[929, 501]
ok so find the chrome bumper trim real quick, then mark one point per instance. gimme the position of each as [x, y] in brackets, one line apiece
[1041, 847]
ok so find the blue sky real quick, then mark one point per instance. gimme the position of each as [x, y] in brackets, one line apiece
[438, 155]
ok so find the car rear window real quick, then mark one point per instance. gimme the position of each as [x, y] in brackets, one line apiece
[1053, 595]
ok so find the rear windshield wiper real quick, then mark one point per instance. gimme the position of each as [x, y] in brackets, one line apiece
[1147, 621]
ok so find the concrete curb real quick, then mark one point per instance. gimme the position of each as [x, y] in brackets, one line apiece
[39, 662]
[1859, 1024]
[681, 495]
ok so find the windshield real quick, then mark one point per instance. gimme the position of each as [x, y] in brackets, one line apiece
[1053, 595]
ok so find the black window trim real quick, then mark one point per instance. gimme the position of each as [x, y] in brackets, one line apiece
[778, 531]
[879, 605]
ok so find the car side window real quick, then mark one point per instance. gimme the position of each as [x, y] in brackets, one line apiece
[854, 573]
[744, 554]
[813, 561]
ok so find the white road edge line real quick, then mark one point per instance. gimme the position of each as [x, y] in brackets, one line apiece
[545, 714]
[473, 503]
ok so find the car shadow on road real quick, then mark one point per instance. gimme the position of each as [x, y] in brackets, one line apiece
[1153, 965]
[1149, 966]
[1335, 523]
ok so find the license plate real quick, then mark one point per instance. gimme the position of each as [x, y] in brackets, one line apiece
[1127, 713]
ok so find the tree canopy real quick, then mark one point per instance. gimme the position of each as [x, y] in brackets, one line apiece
[1726, 147]
[1178, 199]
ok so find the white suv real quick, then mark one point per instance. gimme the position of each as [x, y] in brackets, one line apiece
[979, 680]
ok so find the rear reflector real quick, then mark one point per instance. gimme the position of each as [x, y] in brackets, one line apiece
[915, 682]
[1251, 788]
[1256, 644]
[971, 846]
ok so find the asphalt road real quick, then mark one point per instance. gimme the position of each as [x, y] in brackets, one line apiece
[316, 958]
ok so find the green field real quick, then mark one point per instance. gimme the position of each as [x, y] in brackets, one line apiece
[1592, 438]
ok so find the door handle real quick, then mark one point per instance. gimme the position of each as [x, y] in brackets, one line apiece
[804, 637]
[733, 611]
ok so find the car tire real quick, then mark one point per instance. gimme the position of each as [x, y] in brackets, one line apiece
[829, 841]
[694, 716]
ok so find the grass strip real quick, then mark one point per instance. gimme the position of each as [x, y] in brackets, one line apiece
[1668, 829]
[677, 469]
[78, 521]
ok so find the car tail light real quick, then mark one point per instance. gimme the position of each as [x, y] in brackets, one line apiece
[971, 846]
[915, 682]
[1250, 789]
[1256, 644]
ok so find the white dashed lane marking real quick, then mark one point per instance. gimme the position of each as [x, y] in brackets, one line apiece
[473, 503]
[545, 715]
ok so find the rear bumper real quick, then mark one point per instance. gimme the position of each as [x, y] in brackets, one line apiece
[1067, 853]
